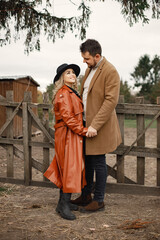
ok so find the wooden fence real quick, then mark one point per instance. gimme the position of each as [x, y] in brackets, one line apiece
[24, 109]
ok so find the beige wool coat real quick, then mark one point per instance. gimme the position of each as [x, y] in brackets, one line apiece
[103, 94]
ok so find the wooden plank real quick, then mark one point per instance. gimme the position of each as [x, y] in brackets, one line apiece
[10, 155]
[2, 99]
[132, 189]
[158, 145]
[9, 120]
[137, 139]
[18, 153]
[45, 120]
[10, 141]
[138, 151]
[125, 108]
[9, 104]
[12, 180]
[35, 164]
[117, 188]
[41, 105]
[37, 120]
[3, 102]
[129, 108]
[120, 161]
[41, 144]
[112, 172]
[140, 142]
[51, 132]
[26, 138]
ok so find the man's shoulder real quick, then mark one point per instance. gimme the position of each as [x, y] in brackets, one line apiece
[108, 66]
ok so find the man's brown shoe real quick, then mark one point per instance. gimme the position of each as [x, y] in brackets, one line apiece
[82, 200]
[92, 207]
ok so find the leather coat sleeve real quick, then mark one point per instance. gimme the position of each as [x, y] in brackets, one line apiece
[67, 113]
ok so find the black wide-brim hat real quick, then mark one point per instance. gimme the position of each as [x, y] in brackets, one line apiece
[64, 67]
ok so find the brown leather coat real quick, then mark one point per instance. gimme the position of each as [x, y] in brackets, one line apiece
[66, 169]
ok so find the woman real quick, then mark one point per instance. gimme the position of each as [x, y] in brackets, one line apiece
[67, 167]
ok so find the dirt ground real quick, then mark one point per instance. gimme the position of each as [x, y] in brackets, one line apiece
[29, 212]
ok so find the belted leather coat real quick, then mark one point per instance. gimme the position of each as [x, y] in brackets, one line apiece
[67, 168]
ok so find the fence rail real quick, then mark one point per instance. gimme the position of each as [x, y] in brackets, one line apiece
[29, 118]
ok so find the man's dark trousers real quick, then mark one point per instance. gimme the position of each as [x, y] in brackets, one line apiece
[95, 163]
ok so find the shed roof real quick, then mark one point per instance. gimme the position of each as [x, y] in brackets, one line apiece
[15, 78]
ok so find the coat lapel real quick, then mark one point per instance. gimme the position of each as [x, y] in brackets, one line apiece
[97, 73]
[64, 86]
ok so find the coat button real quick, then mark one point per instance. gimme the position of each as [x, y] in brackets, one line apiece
[80, 141]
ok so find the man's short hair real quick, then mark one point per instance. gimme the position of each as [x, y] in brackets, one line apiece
[92, 46]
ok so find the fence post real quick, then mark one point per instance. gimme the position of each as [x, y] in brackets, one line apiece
[120, 164]
[45, 139]
[140, 142]
[26, 138]
[158, 145]
[9, 131]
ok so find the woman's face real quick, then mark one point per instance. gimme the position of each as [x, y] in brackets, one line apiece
[69, 77]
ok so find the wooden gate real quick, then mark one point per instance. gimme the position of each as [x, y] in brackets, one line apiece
[124, 184]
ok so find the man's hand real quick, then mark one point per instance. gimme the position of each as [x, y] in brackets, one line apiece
[91, 132]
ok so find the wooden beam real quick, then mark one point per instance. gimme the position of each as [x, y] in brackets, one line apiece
[158, 145]
[113, 173]
[119, 160]
[45, 120]
[10, 155]
[140, 142]
[26, 138]
[132, 108]
[9, 120]
[132, 189]
[37, 120]
[117, 188]
[138, 151]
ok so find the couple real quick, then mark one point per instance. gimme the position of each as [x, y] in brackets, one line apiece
[90, 129]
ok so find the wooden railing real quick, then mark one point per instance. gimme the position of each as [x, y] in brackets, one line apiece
[29, 118]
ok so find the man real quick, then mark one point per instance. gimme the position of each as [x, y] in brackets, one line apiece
[100, 93]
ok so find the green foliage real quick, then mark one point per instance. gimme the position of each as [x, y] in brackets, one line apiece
[33, 18]
[125, 91]
[27, 17]
[5, 190]
[147, 77]
[135, 11]
[40, 100]
[49, 90]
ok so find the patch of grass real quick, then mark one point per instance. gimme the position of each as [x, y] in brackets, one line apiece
[131, 123]
[3, 189]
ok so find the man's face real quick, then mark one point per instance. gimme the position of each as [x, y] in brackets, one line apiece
[90, 60]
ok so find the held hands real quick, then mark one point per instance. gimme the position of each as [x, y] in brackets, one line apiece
[91, 132]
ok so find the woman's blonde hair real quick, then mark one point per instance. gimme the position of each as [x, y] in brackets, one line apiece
[58, 84]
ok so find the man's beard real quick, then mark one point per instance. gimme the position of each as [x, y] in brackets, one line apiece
[92, 66]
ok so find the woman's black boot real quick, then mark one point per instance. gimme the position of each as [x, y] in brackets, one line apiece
[63, 207]
[73, 207]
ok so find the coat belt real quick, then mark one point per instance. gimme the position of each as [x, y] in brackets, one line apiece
[60, 124]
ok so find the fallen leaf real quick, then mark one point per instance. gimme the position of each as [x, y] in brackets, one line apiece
[106, 225]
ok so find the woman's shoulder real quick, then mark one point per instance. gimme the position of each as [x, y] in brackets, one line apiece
[62, 92]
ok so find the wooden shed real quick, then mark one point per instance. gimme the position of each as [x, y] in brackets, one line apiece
[17, 84]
